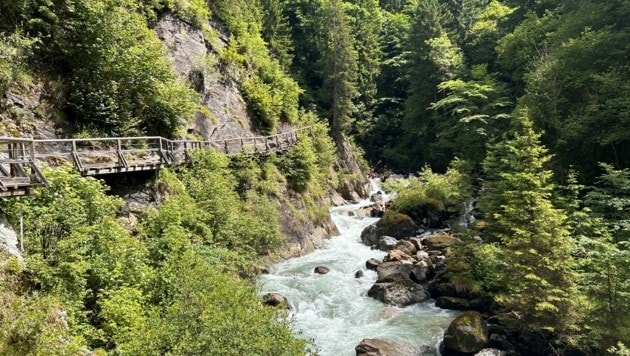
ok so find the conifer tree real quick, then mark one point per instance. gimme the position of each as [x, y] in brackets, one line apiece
[532, 239]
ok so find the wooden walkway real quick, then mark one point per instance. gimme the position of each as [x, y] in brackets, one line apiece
[20, 174]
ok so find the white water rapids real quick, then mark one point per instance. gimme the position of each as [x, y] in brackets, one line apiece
[334, 310]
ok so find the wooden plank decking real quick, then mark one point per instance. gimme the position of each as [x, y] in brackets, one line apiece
[20, 174]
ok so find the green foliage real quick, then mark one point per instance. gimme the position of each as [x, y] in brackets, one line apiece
[172, 287]
[339, 66]
[433, 192]
[272, 95]
[125, 85]
[610, 200]
[15, 51]
[299, 165]
[215, 314]
[535, 277]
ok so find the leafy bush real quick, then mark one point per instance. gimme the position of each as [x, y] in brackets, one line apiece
[299, 165]
[15, 50]
[432, 192]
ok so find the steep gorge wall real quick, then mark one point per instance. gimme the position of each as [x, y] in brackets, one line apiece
[34, 110]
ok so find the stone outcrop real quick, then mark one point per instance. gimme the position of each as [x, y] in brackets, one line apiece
[226, 115]
[468, 333]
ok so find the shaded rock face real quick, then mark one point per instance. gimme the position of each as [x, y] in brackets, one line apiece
[380, 347]
[275, 300]
[468, 333]
[28, 109]
[399, 293]
[452, 303]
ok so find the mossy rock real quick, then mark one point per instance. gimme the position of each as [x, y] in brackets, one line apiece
[392, 217]
[439, 241]
[468, 333]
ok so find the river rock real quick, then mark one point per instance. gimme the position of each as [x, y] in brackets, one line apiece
[388, 313]
[394, 271]
[321, 270]
[372, 264]
[398, 255]
[377, 210]
[468, 333]
[439, 241]
[392, 224]
[452, 303]
[422, 255]
[358, 274]
[399, 293]
[417, 242]
[386, 243]
[275, 300]
[380, 347]
[377, 197]
[406, 246]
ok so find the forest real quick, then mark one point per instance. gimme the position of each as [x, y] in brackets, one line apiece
[528, 100]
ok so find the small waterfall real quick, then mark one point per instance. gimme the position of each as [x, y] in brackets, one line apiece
[333, 309]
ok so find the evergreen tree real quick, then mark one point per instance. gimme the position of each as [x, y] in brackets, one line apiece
[366, 23]
[532, 240]
[339, 66]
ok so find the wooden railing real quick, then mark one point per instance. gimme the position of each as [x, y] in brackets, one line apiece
[19, 173]
[97, 156]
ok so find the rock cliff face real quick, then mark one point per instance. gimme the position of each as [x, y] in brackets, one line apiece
[224, 111]
[34, 110]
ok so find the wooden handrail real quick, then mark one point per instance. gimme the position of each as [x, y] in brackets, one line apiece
[119, 154]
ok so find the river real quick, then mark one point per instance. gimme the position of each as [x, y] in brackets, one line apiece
[334, 310]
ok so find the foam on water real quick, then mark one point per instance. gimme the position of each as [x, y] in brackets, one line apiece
[333, 309]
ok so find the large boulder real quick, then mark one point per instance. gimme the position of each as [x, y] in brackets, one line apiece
[468, 333]
[439, 241]
[275, 300]
[393, 271]
[380, 347]
[392, 224]
[399, 293]
[397, 225]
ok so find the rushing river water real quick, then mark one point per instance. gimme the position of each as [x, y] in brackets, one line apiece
[334, 310]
